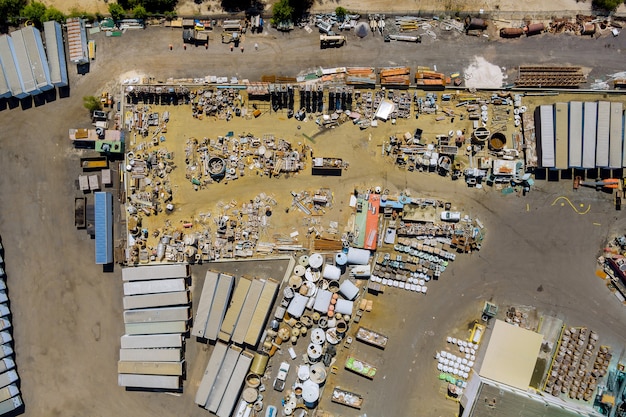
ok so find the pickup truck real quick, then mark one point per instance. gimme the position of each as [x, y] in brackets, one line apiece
[279, 382]
[450, 216]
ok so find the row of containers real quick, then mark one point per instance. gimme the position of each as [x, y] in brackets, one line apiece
[584, 135]
[10, 398]
[25, 69]
[156, 315]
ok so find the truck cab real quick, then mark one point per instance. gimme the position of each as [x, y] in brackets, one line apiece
[279, 382]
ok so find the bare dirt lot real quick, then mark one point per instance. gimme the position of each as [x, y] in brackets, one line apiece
[67, 312]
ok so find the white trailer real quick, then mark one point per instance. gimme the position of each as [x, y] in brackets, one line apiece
[37, 57]
[221, 382]
[159, 327]
[142, 273]
[261, 313]
[11, 404]
[5, 91]
[219, 306]
[5, 324]
[53, 35]
[4, 310]
[6, 364]
[148, 315]
[252, 298]
[8, 392]
[602, 134]
[5, 350]
[234, 385]
[154, 355]
[156, 300]
[11, 69]
[616, 135]
[561, 124]
[154, 287]
[3, 297]
[151, 368]
[165, 382]
[7, 378]
[23, 63]
[204, 305]
[210, 373]
[575, 134]
[151, 341]
[234, 309]
[546, 128]
[5, 337]
[590, 117]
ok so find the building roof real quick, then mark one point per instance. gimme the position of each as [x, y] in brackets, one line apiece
[511, 355]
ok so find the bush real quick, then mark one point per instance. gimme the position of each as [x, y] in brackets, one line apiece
[282, 12]
[55, 14]
[34, 12]
[92, 103]
[341, 13]
[117, 11]
[608, 5]
[10, 11]
[139, 12]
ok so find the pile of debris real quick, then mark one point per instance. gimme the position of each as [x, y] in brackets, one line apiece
[221, 103]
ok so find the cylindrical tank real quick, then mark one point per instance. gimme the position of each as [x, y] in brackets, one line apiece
[588, 29]
[534, 29]
[472, 23]
[259, 363]
[511, 32]
[341, 259]
[497, 141]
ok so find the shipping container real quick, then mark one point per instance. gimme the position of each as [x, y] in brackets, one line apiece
[136, 288]
[210, 373]
[160, 327]
[151, 368]
[223, 377]
[5, 91]
[252, 298]
[8, 378]
[575, 134]
[561, 136]
[602, 134]
[5, 323]
[209, 287]
[165, 382]
[144, 273]
[6, 350]
[590, 117]
[616, 135]
[235, 385]
[20, 56]
[77, 40]
[4, 310]
[157, 300]
[8, 392]
[234, 309]
[53, 36]
[103, 213]
[6, 364]
[148, 315]
[37, 57]
[261, 312]
[10, 68]
[11, 404]
[219, 306]
[151, 355]
[151, 341]
[546, 131]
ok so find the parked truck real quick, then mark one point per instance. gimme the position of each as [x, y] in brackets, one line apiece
[279, 382]
[11, 404]
[7, 378]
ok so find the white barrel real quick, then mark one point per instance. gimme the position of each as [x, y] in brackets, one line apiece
[358, 256]
[299, 270]
[341, 258]
[314, 351]
[316, 260]
[310, 393]
[331, 272]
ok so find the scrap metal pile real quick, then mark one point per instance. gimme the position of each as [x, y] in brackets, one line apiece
[153, 94]
[557, 76]
[228, 157]
[221, 103]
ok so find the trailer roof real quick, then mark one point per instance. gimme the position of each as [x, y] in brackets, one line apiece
[37, 57]
[11, 71]
[20, 55]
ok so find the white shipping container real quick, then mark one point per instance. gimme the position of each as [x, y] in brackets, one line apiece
[219, 306]
[224, 375]
[11, 404]
[156, 300]
[8, 378]
[5, 350]
[616, 135]
[154, 287]
[148, 315]
[150, 272]
[234, 385]
[204, 305]
[154, 355]
[590, 117]
[159, 327]
[4, 310]
[602, 135]
[151, 341]
[8, 392]
[210, 373]
[575, 134]
[150, 368]
[166, 382]
[6, 364]
[547, 136]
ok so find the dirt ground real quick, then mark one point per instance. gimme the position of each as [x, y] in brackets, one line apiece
[189, 7]
[67, 312]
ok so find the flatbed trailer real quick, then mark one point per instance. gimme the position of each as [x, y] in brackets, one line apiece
[347, 398]
[360, 367]
[371, 337]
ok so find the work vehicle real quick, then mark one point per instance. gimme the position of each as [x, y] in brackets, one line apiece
[450, 216]
[334, 41]
[94, 163]
[279, 382]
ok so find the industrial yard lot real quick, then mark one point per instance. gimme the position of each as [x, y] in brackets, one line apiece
[67, 313]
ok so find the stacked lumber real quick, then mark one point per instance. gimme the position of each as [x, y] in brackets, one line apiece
[326, 244]
[360, 75]
[430, 78]
[395, 76]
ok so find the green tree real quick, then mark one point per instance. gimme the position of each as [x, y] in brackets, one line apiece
[117, 11]
[341, 13]
[282, 11]
[34, 12]
[92, 103]
[10, 12]
[55, 14]
[608, 5]
[139, 12]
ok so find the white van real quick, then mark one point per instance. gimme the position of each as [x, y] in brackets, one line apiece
[451, 216]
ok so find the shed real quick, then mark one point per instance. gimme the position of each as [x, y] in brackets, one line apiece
[103, 211]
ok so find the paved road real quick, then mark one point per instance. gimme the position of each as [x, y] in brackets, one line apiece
[67, 312]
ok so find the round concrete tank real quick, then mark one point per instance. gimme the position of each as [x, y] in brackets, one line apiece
[497, 141]
[480, 135]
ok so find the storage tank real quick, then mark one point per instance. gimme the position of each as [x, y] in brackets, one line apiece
[588, 29]
[511, 32]
[473, 23]
[534, 29]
